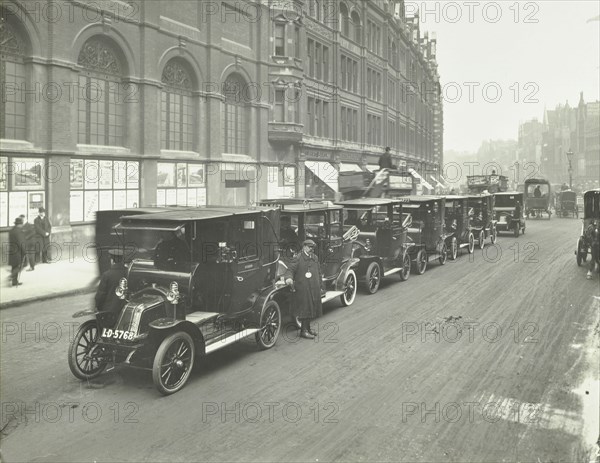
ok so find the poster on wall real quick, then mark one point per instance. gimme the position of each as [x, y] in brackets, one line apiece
[182, 175]
[133, 174]
[76, 173]
[105, 200]
[27, 172]
[182, 197]
[3, 173]
[192, 197]
[76, 205]
[165, 175]
[90, 205]
[201, 200]
[35, 201]
[171, 197]
[119, 175]
[196, 175]
[133, 198]
[106, 175]
[4, 209]
[119, 199]
[17, 205]
[90, 174]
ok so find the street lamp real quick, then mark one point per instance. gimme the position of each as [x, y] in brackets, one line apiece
[570, 158]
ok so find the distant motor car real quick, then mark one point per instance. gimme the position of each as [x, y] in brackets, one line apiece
[510, 216]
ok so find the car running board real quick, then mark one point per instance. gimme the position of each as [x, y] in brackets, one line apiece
[230, 340]
[200, 317]
[392, 270]
[329, 295]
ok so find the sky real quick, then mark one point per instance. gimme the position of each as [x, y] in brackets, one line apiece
[501, 63]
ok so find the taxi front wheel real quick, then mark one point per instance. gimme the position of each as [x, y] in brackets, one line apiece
[86, 359]
[173, 363]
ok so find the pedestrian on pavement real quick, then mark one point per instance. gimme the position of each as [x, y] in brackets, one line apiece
[16, 251]
[385, 161]
[106, 299]
[593, 235]
[30, 243]
[304, 274]
[43, 228]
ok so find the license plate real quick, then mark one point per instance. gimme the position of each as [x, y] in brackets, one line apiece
[117, 334]
[503, 219]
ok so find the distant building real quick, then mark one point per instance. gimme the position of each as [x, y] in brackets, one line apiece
[529, 148]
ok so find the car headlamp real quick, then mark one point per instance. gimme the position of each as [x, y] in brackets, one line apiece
[121, 290]
[173, 294]
[368, 244]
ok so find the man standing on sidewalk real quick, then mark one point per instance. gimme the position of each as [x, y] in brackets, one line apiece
[30, 243]
[16, 240]
[304, 273]
[43, 228]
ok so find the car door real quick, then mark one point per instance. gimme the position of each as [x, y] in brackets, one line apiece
[334, 249]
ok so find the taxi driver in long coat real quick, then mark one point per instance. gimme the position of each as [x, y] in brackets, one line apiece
[304, 273]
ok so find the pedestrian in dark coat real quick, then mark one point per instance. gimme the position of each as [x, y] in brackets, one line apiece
[16, 250]
[30, 243]
[106, 299]
[43, 228]
[304, 274]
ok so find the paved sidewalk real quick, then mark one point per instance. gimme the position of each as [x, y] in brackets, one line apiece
[48, 281]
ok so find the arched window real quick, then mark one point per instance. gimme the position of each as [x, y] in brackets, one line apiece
[356, 25]
[344, 19]
[234, 115]
[13, 77]
[100, 94]
[315, 9]
[176, 107]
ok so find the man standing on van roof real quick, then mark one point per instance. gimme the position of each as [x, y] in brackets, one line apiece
[385, 161]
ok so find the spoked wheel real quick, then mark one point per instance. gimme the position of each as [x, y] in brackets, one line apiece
[86, 359]
[421, 262]
[373, 277]
[405, 272]
[471, 247]
[516, 230]
[349, 289]
[453, 248]
[443, 254]
[481, 239]
[494, 236]
[173, 363]
[270, 326]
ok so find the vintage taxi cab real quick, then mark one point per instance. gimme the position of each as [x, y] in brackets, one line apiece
[538, 196]
[510, 215]
[590, 233]
[458, 224]
[483, 221]
[427, 230]
[199, 280]
[381, 244]
[322, 222]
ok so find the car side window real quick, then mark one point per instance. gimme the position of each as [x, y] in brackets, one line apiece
[335, 224]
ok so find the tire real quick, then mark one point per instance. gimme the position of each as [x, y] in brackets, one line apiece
[270, 326]
[494, 235]
[581, 252]
[85, 357]
[453, 248]
[349, 289]
[482, 239]
[175, 354]
[516, 230]
[405, 272]
[443, 254]
[471, 247]
[373, 277]
[421, 262]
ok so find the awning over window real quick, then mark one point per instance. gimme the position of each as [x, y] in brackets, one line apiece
[325, 171]
[349, 167]
[424, 182]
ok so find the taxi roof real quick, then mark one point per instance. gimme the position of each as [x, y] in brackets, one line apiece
[198, 213]
[456, 197]
[507, 193]
[419, 199]
[369, 202]
[298, 205]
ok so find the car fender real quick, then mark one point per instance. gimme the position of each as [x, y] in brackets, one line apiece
[344, 269]
[163, 327]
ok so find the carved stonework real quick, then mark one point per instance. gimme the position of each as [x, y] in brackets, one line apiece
[318, 29]
[98, 56]
[175, 75]
[9, 40]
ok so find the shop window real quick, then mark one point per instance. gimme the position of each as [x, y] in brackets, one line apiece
[181, 184]
[98, 185]
[22, 188]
